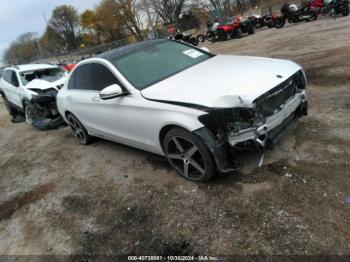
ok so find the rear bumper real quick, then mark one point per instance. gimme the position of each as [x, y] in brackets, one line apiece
[270, 131]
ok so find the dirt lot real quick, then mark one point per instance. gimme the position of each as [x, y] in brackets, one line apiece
[58, 197]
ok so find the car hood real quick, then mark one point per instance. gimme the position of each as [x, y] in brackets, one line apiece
[46, 84]
[223, 81]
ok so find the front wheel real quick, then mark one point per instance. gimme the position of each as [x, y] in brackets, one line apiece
[210, 36]
[270, 23]
[79, 130]
[251, 30]
[280, 22]
[238, 33]
[188, 155]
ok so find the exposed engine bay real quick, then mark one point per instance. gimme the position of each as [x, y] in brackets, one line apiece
[40, 106]
[260, 126]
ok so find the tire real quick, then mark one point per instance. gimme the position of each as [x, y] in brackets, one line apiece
[222, 35]
[312, 14]
[79, 130]
[201, 38]
[238, 33]
[10, 109]
[270, 23]
[251, 30]
[345, 11]
[210, 36]
[280, 22]
[194, 41]
[188, 155]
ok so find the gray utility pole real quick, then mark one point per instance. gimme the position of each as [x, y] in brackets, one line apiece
[152, 34]
[47, 24]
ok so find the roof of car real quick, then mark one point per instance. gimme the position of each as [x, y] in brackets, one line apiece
[30, 67]
[127, 49]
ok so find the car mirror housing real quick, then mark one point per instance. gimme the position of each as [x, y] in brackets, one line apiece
[111, 91]
[205, 49]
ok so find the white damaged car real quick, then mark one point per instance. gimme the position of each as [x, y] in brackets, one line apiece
[31, 89]
[195, 108]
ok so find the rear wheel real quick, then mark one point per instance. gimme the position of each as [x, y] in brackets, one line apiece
[188, 155]
[79, 130]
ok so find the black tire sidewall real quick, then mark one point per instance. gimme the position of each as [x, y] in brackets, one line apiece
[210, 166]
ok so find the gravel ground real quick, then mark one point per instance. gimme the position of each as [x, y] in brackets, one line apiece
[58, 197]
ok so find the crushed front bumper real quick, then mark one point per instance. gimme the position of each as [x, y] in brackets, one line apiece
[268, 132]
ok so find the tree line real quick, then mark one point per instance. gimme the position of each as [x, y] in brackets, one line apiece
[110, 20]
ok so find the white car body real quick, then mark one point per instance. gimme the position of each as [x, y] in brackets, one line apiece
[17, 95]
[223, 81]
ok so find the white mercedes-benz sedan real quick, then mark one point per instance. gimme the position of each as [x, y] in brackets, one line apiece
[195, 108]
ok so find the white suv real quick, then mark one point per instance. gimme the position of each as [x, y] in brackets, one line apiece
[19, 84]
[172, 99]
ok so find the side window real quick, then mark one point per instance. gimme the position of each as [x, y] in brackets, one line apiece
[14, 79]
[11, 78]
[81, 78]
[7, 76]
[102, 77]
[71, 83]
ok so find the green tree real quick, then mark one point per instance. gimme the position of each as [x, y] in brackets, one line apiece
[168, 10]
[88, 20]
[51, 42]
[23, 49]
[109, 25]
[65, 22]
[130, 15]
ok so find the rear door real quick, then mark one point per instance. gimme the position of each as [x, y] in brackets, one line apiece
[10, 86]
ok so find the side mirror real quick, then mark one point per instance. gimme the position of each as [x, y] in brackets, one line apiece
[111, 91]
[205, 49]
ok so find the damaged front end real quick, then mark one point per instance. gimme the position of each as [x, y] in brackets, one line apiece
[42, 112]
[260, 125]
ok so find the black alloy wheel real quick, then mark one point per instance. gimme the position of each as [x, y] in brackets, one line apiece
[188, 155]
[79, 130]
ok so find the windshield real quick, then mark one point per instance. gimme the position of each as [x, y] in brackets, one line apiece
[48, 74]
[156, 62]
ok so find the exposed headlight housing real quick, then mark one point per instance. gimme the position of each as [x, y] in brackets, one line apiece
[229, 120]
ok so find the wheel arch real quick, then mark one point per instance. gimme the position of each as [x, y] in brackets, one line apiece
[165, 129]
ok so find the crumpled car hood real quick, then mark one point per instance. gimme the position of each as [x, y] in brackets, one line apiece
[223, 81]
[44, 84]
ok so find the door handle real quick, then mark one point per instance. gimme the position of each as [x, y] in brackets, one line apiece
[95, 99]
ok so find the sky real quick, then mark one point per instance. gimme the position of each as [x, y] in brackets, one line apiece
[21, 16]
